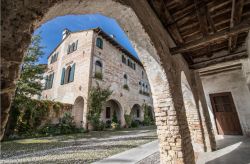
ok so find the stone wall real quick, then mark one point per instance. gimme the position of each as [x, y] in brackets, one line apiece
[55, 113]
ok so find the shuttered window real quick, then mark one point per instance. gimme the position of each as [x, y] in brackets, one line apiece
[62, 77]
[72, 72]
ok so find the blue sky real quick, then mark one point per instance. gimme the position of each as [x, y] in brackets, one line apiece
[51, 31]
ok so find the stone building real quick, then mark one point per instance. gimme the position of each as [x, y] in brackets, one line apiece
[177, 41]
[85, 59]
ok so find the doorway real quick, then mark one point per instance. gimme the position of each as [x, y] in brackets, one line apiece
[226, 117]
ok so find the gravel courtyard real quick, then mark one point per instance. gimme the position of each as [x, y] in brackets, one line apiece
[75, 148]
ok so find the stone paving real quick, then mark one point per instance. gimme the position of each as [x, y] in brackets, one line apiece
[74, 150]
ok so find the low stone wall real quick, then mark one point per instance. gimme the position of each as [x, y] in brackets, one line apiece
[55, 112]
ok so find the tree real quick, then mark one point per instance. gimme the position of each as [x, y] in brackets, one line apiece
[28, 84]
[31, 73]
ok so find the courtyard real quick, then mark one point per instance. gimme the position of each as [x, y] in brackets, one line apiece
[75, 148]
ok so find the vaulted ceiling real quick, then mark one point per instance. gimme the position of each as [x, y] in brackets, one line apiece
[206, 32]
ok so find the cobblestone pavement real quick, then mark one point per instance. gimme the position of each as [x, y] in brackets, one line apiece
[152, 159]
[68, 149]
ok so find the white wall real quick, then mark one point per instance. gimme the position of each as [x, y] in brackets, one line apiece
[234, 82]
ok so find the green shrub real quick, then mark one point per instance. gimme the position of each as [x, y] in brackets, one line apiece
[125, 86]
[66, 125]
[128, 120]
[135, 124]
[108, 124]
[114, 117]
[115, 125]
[98, 75]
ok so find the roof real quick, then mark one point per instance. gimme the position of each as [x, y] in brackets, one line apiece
[106, 37]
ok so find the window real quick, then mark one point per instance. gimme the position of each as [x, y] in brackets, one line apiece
[108, 111]
[98, 66]
[134, 66]
[137, 113]
[53, 58]
[142, 74]
[99, 43]
[123, 59]
[72, 47]
[49, 81]
[98, 69]
[125, 79]
[68, 74]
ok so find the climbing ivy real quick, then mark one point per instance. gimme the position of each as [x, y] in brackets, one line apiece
[148, 117]
[97, 98]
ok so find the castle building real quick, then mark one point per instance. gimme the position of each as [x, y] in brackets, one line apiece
[88, 58]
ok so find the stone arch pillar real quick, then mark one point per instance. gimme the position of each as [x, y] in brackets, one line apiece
[193, 116]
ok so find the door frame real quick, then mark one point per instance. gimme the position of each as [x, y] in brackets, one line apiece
[212, 95]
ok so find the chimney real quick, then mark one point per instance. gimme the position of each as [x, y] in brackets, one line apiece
[112, 36]
[65, 33]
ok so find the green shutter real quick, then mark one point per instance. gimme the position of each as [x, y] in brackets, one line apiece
[63, 74]
[51, 80]
[72, 72]
[76, 45]
[46, 82]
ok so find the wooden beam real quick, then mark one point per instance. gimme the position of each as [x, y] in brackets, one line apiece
[201, 11]
[161, 10]
[237, 8]
[220, 59]
[201, 14]
[242, 27]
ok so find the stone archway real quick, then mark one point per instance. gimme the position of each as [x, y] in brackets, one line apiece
[136, 113]
[148, 37]
[77, 111]
[193, 116]
[112, 108]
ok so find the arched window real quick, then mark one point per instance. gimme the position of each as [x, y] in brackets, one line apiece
[125, 79]
[98, 67]
[128, 62]
[99, 43]
[67, 75]
[123, 59]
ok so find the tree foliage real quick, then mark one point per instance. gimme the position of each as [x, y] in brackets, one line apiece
[31, 72]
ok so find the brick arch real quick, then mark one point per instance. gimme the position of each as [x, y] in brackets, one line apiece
[149, 40]
[77, 111]
[116, 107]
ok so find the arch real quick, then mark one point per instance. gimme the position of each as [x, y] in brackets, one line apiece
[77, 111]
[153, 50]
[193, 116]
[136, 113]
[99, 43]
[112, 112]
[98, 66]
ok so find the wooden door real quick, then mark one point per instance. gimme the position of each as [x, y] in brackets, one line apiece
[226, 117]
